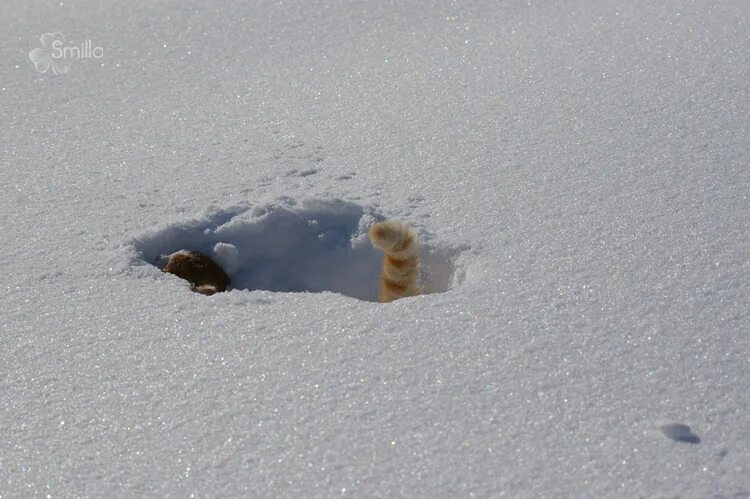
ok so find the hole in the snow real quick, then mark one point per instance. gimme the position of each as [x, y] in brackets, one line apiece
[284, 246]
[680, 433]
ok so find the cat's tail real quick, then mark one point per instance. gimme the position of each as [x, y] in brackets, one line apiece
[398, 278]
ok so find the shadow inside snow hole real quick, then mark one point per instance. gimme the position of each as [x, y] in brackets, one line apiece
[284, 246]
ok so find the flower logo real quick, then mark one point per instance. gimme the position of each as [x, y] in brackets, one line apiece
[42, 57]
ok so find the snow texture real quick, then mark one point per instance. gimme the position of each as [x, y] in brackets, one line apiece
[578, 172]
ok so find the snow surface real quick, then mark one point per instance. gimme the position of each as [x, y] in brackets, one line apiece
[579, 170]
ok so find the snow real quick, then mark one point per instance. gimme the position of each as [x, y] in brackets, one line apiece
[226, 255]
[577, 172]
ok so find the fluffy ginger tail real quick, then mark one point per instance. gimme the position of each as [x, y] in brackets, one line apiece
[398, 278]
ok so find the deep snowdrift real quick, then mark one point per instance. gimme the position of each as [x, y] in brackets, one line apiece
[578, 169]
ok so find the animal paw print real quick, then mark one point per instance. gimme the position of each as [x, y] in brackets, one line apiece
[680, 433]
[295, 151]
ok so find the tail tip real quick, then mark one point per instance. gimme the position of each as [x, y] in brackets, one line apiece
[388, 235]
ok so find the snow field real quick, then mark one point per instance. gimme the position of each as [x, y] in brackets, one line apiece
[577, 171]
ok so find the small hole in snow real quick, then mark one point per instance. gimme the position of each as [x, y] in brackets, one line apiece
[286, 246]
[680, 433]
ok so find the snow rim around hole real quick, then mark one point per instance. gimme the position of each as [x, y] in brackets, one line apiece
[312, 245]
